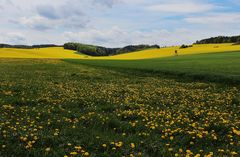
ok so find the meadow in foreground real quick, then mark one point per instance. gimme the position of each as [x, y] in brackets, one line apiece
[55, 108]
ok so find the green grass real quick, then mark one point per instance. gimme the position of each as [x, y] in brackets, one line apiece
[223, 67]
[48, 107]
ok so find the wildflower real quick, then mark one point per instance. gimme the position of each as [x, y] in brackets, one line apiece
[235, 131]
[131, 155]
[180, 150]
[73, 153]
[104, 145]
[234, 153]
[35, 137]
[119, 144]
[132, 145]
[48, 149]
[197, 155]
[188, 151]
[86, 154]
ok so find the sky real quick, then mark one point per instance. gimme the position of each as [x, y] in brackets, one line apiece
[117, 23]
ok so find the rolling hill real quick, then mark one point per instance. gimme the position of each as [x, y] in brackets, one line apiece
[60, 53]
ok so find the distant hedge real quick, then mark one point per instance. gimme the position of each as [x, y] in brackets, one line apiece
[93, 50]
[220, 39]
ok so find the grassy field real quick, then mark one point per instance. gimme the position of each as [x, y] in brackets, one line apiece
[56, 108]
[55, 102]
[223, 67]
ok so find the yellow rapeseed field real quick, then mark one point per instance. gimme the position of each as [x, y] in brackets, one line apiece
[170, 51]
[60, 53]
[52, 53]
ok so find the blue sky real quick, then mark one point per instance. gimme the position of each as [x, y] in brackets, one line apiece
[116, 23]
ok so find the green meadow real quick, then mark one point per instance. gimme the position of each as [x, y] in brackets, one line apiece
[220, 67]
[157, 107]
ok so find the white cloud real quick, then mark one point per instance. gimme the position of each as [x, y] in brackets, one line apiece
[36, 22]
[116, 22]
[107, 3]
[236, 2]
[215, 19]
[42, 23]
[181, 7]
[13, 38]
[116, 37]
[47, 11]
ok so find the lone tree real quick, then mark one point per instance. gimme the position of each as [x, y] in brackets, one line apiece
[176, 52]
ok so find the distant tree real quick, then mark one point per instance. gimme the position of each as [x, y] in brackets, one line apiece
[27, 46]
[219, 39]
[185, 46]
[238, 40]
[70, 46]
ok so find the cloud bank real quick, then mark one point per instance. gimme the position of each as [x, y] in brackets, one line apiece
[116, 23]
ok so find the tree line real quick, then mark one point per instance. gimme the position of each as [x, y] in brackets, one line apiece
[28, 46]
[220, 39]
[93, 50]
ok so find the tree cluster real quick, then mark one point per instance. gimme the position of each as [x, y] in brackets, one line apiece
[93, 50]
[220, 39]
[185, 46]
[27, 46]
